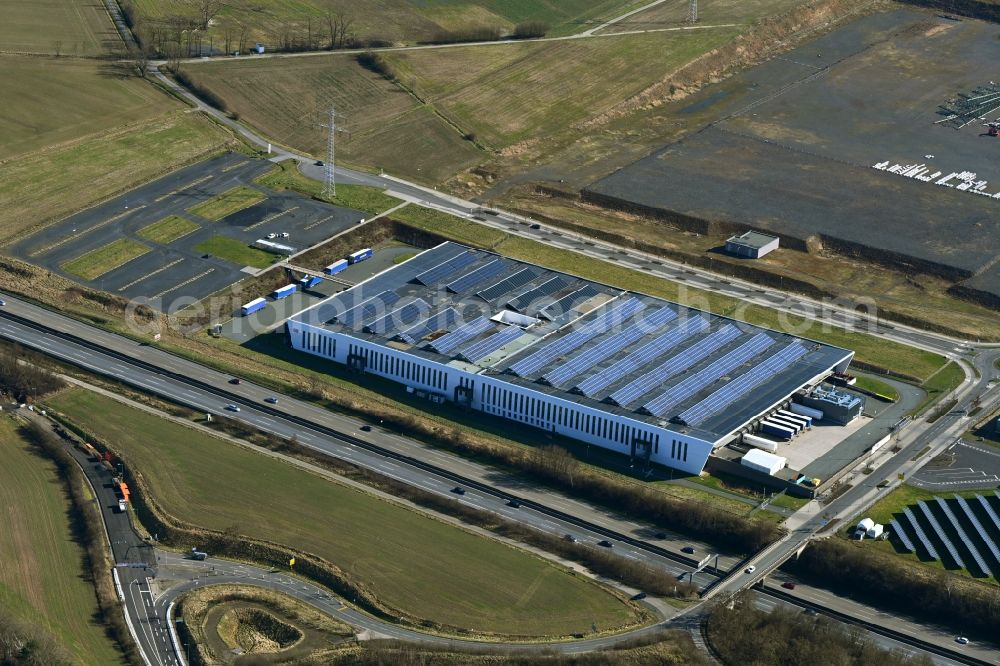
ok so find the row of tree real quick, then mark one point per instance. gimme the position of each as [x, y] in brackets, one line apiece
[23, 376]
[24, 644]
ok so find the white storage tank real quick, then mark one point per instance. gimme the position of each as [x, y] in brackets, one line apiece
[762, 461]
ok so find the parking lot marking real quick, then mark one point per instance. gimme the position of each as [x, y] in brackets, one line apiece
[66, 239]
[271, 218]
[149, 275]
[183, 187]
[238, 165]
[186, 282]
[318, 222]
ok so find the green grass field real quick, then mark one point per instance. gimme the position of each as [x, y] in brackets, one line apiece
[97, 262]
[870, 349]
[236, 251]
[42, 576]
[67, 27]
[674, 13]
[939, 384]
[92, 170]
[168, 229]
[227, 203]
[876, 386]
[285, 176]
[424, 566]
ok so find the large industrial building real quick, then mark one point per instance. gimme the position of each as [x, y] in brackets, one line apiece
[622, 370]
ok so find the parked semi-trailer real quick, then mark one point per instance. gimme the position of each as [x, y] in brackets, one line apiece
[310, 281]
[284, 292]
[805, 420]
[795, 426]
[360, 255]
[776, 429]
[253, 306]
[815, 414]
[760, 443]
[336, 267]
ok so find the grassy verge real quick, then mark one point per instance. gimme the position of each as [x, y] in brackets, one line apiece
[877, 387]
[940, 384]
[869, 349]
[450, 576]
[42, 579]
[227, 203]
[236, 251]
[97, 262]
[286, 176]
[168, 229]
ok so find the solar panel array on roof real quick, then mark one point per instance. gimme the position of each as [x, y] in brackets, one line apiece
[407, 314]
[510, 283]
[642, 356]
[564, 345]
[445, 269]
[546, 288]
[564, 304]
[449, 341]
[431, 258]
[662, 403]
[485, 347]
[370, 308]
[474, 277]
[594, 355]
[441, 320]
[742, 384]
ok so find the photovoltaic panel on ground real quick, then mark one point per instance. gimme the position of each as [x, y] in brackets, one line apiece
[564, 304]
[566, 344]
[641, 357]
[370, 308]
[897, 529]
[680, 392]
[738, 387]
[940, 533]
[477, 276]
[449, 341]
[547, 288]
[593, 355]
[442, 320]
[445, 270]
[921, 535]
[518, 279]
[487, 346]
[399, 317]
[963, 537]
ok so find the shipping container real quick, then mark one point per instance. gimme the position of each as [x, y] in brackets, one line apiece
[253, 306]
[805, 420]
[815, 414]
[336, 267]
[285, 291]
[360, 255]
[760, 443]
[776, 430]
[310, 281]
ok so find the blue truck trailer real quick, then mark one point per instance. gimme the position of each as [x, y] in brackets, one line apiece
[360, 255]
[284, 292]
[253, 306]
[336, 267]
[310, 281]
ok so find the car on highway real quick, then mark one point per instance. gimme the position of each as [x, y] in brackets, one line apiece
[3, 302]
[320, 163]
[605, 543]
[272, 236]
[535, 226]
[788, 585]
[750, 569]
[285, 234]
[961, 640]
[271, 400]
[366, 428]
[235, 380]
[514, 504]
[569, 537]
[233, 408]
[639, 597]
[458, 490]
[689, 550]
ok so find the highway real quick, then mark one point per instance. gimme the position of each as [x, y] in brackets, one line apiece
[204, 389]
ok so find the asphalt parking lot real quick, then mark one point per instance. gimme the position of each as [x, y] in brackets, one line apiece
[962, 466]
[174, 274]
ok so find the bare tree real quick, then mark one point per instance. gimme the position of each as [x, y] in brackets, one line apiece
[338, 25]
[206, 10]
[57, 46]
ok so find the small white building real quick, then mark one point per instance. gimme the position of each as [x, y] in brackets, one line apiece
[752, 245]
[762, 461]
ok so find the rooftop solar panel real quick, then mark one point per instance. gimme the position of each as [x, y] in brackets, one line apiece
[740, 386]
[662, 403]
[485, 347]
[609, 318]
[441, 320]
[510, 283]
[594, 355]
[642, 356]
[564, 304]
[475, 277]
[370, 308]
[445, 269]
[449, 341]
[547, 288]
[407, 314]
